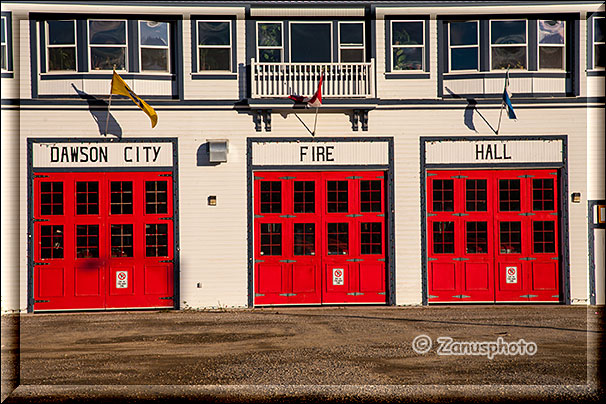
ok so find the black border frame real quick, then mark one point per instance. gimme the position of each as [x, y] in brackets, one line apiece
[37, 32]
[390, 202]
[592, 226]
[562, 178]
[174, 169]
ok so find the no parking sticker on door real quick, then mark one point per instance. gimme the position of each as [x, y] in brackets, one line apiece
[121, 279]
[511, 275]
[337, 276]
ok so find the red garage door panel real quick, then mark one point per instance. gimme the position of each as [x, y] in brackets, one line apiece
[443, 277]
[103, 240]
[492, 236]
[319, 237]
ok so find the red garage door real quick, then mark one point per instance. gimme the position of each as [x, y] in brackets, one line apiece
[492, 236]
[319, 237]
[103, 240]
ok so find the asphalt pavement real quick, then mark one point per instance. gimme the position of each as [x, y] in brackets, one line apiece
[306, 354]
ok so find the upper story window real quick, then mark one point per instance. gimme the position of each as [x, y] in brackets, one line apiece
[269, 42]
[552, 44]
[107, 44]
[464, 45]
[508, 44]
[311, 42]
[154, 46]
[61, 45]
[351, 42]
[599, 49]
[407, 45]
[214, 45]
[4, 34]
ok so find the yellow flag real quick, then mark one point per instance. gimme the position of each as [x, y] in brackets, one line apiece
[120, 87]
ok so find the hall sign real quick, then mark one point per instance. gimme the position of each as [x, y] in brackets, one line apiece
[320, 153]
[493, 151]
[102, 154]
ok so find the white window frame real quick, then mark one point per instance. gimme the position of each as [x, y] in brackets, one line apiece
[89, 45]
[167, 47]
[49, 46]
[198, 47]
[539, 45]
[477, 46]
[329, 23]
[352, 46]
[593, 44]
[281, 48]
[392, 47]
[506, 45]
[5, 43]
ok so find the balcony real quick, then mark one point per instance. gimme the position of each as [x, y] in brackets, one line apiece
[341, 80]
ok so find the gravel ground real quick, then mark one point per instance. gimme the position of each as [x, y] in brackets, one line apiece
[302, 354]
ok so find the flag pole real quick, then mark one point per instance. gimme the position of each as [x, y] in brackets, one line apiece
[500, 115]
[503, 100]
[109, 105]
[315, 122]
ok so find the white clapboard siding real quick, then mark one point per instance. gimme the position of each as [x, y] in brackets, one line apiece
[405, 88]
[11, 226]
[548, 85]
[463, 86]
[214, 239]
[595, 154]
[215, 89]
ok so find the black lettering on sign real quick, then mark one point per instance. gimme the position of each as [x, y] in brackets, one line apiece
[302, 153]
[329, 150]
[492, 152]
[316, 153]
[54, 154]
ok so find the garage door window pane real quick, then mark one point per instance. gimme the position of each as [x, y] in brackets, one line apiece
[156, 240]
[156, 197]
[370, 196]
[338, 238]
[121, 197]
[443, 195]
[510, 237]
[271, 239]
[51, 198]
[475, 195]
[304, 196]
[543, 236]
[542, 194]
[443, 237]
[304, 239]
[509, 195]
[51, 242]
[371, 238]
[122, 240]
[337, 195]
[87, 198]
[87, 241]
[271, 197]
[477, 237]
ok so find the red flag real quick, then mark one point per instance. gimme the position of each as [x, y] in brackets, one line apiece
[314, 101]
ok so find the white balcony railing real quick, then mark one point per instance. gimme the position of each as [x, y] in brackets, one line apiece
[341, 80]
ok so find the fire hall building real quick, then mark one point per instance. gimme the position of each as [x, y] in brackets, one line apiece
[410, 184]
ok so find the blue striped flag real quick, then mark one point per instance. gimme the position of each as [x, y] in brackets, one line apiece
[510, 112]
